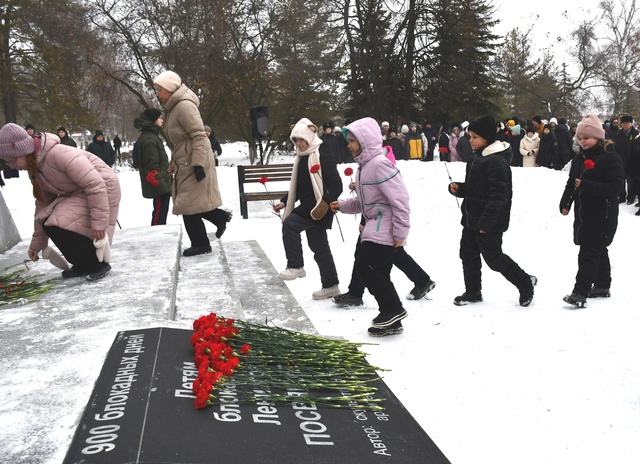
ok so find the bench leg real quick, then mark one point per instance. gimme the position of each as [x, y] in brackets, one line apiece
[243, 209]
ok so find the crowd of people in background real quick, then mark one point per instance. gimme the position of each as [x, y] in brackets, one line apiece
[534, 142]
[604, 160]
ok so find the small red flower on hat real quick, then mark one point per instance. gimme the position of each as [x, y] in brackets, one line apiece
[588, 165]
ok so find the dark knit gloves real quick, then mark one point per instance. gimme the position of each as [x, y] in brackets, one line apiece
[199, 172]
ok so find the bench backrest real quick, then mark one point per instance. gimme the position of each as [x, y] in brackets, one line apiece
[273, 172]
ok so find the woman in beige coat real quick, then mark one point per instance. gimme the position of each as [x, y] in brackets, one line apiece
[529, 146]
[194, 190]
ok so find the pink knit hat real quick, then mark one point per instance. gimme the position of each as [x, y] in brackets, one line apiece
[15, 142]
[590, 127]
[168, 80]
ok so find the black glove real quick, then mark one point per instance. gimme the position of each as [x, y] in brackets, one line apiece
[199, 172]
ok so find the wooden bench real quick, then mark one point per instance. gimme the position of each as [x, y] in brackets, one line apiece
[251, 174]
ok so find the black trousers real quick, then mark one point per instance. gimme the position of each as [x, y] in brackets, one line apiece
[374, 263]
[77, 249]
[473, 245]
[634, 189]
[292, 228]
[160, 209]
[594, 268]
[401, 260]
[194, 225]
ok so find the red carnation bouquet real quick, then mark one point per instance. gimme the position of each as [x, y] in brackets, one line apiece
[588, 165]
[254, 362]
[152, 178]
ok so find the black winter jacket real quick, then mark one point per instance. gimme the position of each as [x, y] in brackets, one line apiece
[624, 143]
[103, 150]
[464, 148]
[548, 151]
[304, 190]
[634, 158]
[487, 190]
[152, 156]
[565, 144]
[596, 200]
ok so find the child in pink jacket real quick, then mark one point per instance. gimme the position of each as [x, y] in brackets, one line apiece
[382, 198]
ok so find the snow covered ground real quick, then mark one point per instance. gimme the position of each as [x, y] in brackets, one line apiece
[491, 382]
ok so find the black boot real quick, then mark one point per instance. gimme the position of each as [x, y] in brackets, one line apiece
[576, 300]
[196, 250]
[526, 295]
[223, 224]
[467, 297]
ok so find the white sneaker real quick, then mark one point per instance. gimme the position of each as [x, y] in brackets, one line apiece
[292, 273]
[325, 293]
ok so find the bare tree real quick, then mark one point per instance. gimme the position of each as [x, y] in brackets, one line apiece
[620, 47]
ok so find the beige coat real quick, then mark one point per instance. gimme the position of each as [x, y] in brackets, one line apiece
[190, 147]
[529, 145]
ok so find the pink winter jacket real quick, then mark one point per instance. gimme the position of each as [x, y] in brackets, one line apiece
[382, 196]
[80, 192]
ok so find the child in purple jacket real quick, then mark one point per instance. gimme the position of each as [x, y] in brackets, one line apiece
[382, 198]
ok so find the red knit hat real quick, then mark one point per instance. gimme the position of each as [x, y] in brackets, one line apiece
[590, 127]
[15, 142]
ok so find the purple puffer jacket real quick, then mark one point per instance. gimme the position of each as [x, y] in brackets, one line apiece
[382, 196]
[80, 192]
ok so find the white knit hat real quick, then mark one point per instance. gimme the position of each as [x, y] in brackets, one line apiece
[305, 130]
[384, 123]
[168, 80]
[15, 142]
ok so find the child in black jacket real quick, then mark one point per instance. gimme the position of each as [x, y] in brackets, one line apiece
[486, 211]
[595, 181]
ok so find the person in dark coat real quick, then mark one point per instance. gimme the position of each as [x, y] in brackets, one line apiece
[102, 149]
[486, 211]
[634, 169]
[443, 143]
[329, 142]
[432, 138]
[117, 143]
[64, 137]
[624, 139]
[344, 155]
[153, 164]
[464, 144]
[595, 180]
[315, 183]
[564, 138]
[517, 134]
[394, 142]
[548, 150]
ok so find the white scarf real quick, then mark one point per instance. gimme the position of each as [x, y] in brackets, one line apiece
[313, 158]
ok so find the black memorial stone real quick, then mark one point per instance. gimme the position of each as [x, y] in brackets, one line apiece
[142, 411]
